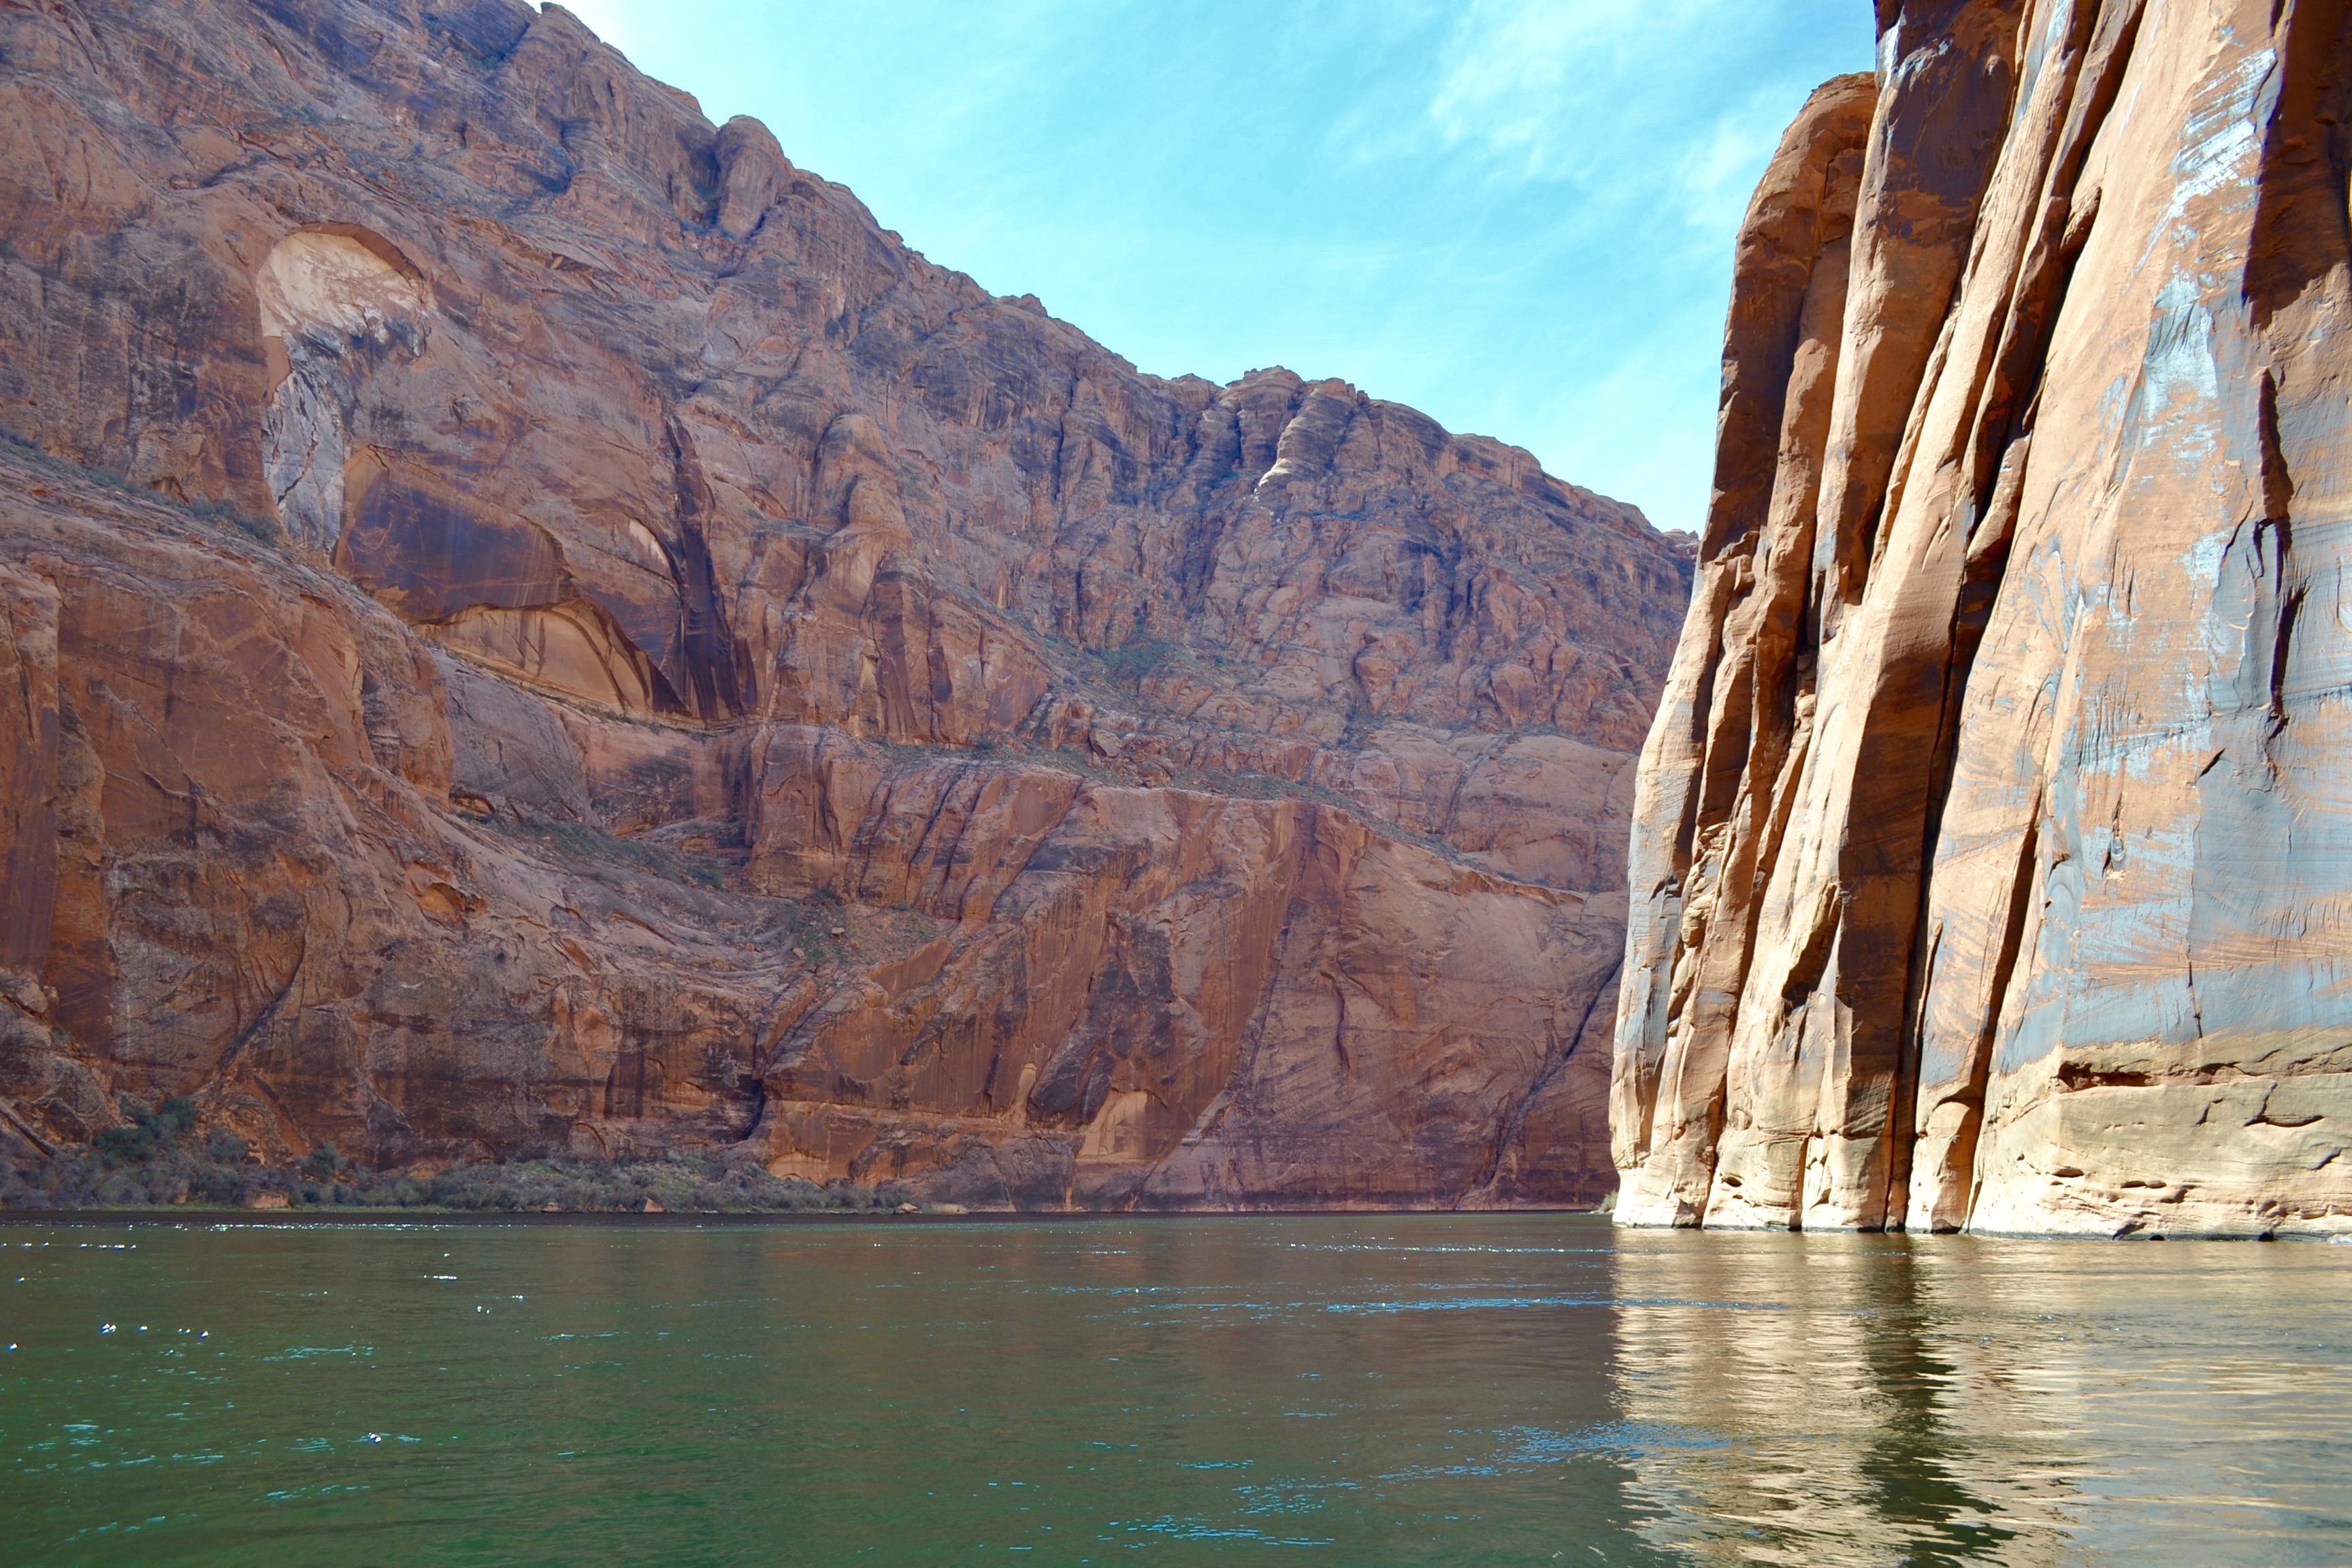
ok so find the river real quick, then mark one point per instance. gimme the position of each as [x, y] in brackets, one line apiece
[1349, 1390]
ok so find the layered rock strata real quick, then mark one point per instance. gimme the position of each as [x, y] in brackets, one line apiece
[537, 627]
[1991, 866]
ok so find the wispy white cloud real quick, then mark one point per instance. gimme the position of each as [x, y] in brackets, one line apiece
[1623, 98]
[1543, 87]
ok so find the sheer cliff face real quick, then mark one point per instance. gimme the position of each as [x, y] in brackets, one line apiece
[1991, 863]
[535, 625]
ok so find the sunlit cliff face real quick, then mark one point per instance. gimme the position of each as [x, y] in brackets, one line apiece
[621, 655]
[1990, 863]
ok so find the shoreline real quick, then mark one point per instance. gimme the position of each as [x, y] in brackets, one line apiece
[184, 1213]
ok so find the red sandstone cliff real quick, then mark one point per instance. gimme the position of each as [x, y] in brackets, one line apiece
[1990, 865]
[535, 625]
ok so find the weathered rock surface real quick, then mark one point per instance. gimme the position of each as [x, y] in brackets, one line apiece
[1992, 864]
[536, 626]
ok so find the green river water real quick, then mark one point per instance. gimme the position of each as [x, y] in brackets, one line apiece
[1343, 1390]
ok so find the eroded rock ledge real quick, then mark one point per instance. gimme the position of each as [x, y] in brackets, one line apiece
[1992, 862]
[536, 626]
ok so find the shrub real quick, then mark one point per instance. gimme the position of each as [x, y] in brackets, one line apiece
[142, 1163]
[212, 1184]
[132, 1144]
[148, 1133]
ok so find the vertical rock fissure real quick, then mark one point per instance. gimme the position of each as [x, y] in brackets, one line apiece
[714, 679]
[1946, 90]
[1960, 1164]
[2096, 60]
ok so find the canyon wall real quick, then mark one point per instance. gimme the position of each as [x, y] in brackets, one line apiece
[538, 627]
[1992, 857]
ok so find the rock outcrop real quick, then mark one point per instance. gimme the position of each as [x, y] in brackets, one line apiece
[537, 627]
[1991, 866]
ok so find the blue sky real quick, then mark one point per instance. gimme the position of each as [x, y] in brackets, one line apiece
[1514, 214]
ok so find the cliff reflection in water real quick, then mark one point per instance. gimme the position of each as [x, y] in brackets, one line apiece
[1866, 1400]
